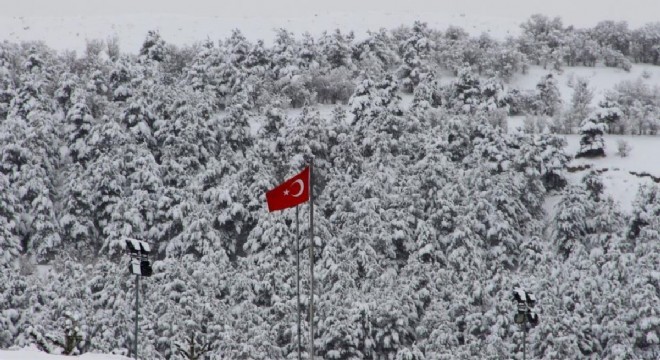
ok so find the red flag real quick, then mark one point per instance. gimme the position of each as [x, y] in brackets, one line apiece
[290, 193]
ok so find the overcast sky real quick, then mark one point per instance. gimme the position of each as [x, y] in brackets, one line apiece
[577, 12]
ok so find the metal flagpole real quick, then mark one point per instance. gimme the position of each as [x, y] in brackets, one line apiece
[298, 277]
[137, 311]
[311, 259]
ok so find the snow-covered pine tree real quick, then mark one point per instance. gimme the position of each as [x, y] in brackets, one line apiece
[553, 161]
[9, 241]
[120, 81]
[31, 142]
[643, 233]
[153, 48]
[375, 55]
[77, 129]
[6, 83]
[580, 105]
[234, 129]
[336, 49]
[428, 93]
[414, 52]
[592, 143]
[571, 222]
[464, 95]
[548, 100]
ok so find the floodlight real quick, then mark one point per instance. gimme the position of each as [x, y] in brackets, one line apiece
[145, 268]
[519, 295]
[137, 247]
[533, 318]
[145, 248]
[134, 268]
[531, 300]
[131, 247]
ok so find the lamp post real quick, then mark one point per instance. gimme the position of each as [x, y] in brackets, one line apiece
[525, 302]
[139, 266]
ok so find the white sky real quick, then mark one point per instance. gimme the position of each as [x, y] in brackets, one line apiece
[578, 12]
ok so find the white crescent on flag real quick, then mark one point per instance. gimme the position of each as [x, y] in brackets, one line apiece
[302, 187]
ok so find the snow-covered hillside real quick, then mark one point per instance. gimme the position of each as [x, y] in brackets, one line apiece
[621, 176]
[66, 24]
[428, 215]
[600, 78]
[71, 33]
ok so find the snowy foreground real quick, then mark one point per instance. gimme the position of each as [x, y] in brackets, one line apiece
[32, 354]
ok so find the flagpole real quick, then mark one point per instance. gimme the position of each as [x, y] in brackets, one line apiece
[311, 259]
[298, 278]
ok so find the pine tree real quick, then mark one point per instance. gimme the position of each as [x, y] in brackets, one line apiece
[120, 80]
[580, 104]
[9, 242]
[548, 98]
[336, 48]
[591, 140]
[31, 133]
[6, 84]
[427, 94]
[235, 128]
[414, 52]
[375, 54]
[464, 96]
[153, 48]
[78, 126]
[571, 221]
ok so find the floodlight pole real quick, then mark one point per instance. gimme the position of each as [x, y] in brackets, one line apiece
[525, 338]
[137, 312]
[139, 266]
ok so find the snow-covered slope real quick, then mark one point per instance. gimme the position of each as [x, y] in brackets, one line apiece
[65, 24]
[71, 33]
[600, 78]
[621, 175]
[31, 354]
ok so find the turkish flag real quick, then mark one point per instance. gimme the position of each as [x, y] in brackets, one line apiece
[290, 193]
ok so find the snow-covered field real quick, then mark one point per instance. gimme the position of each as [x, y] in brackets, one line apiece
[617, 178]
[617, 171]
[31, 354]
[601, 78]
[66, 24]
[71, 33]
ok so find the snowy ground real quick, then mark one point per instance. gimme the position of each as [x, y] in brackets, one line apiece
[619, 183]
[616, 172]
[71, 33]
[31, 354]
[617, 178]
[66, 24]
[600, 78]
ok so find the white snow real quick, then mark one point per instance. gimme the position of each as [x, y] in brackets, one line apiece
[618, 181]
[66, 24]
[32, 354]
[44, 270]
[601, 79]
[71, 33]
[63, 25]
